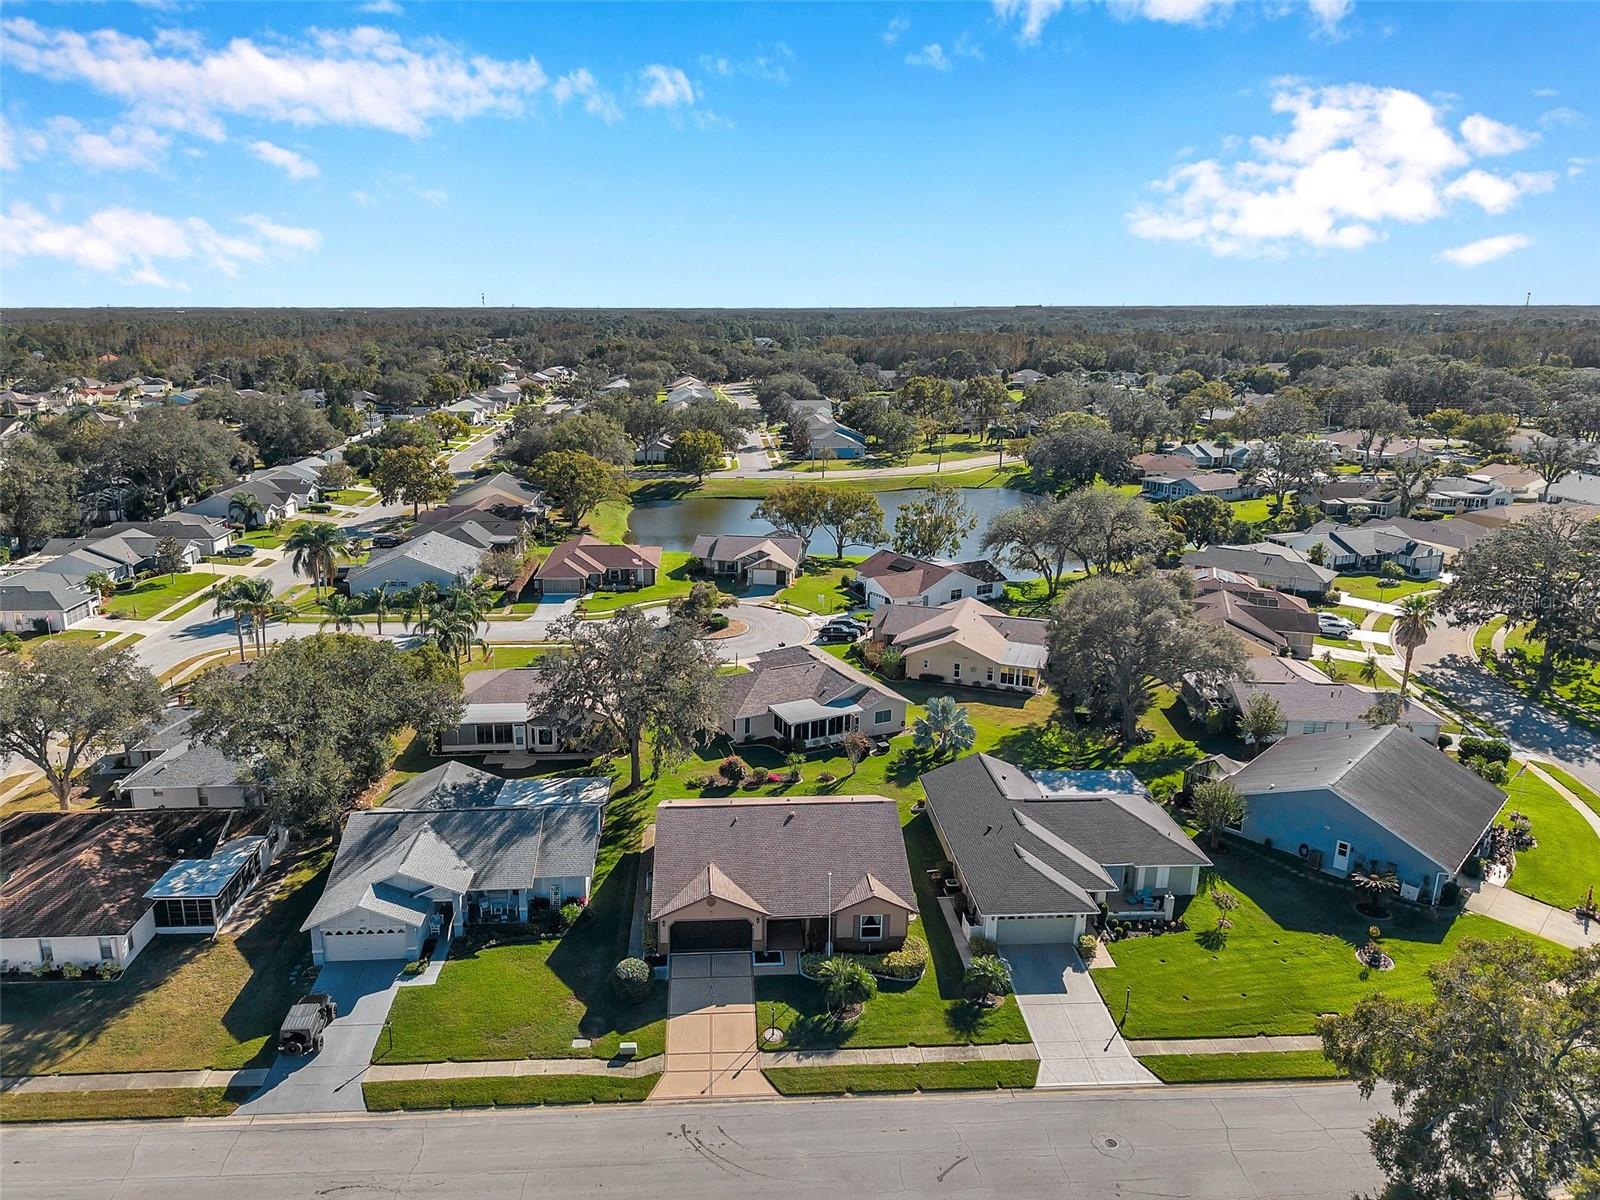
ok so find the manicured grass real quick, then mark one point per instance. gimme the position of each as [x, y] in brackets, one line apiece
[1483, 636]
[1566, 862]
[672, 580]
[930, 1012]
[269, 539]
[414, 1094]
[1574, 785]
[501, 657]
[139, 1104]
[188, 606]
[871, 1079]
[1229, 1068]
[1347, 670]
[148, 598]
[1367, 587]
[957, 446]
[1289, 957]
[1255, 511]
[1384, 623]
[1347, 611]
[185, 1003]
[1573, 681]
[32, 641]
[820, 589]
[609, 521]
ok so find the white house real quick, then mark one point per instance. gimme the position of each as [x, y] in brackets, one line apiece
[890, 578]
[434, 557]
[29, 598]
[191, 774]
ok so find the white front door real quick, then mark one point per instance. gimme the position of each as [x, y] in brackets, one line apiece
[1341, 856]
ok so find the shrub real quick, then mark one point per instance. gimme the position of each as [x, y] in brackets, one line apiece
[908, 962]
[71, 970]
[1488, 768]
[1449, 894]
[570, 912]
[1444, 741]
[1088, 946]
[753, 782]
[827, 777]
[632, 980]
[845, 983]
[987, 975]
[1488, 749]
[981, 946]
[732, 769]
[10, 642]
[716, 622]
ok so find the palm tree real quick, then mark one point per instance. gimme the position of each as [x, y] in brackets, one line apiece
[1370, 672]
[225, 599]
[342, 613]
[423, 596]
[454, 633]
[1410, 630]
[247, 508]
[100, 584]
[1330, 664]
[317, 546]
[1375, 885]
[943, 728]
[253, 598]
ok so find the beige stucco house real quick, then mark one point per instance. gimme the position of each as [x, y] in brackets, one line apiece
[966, 642]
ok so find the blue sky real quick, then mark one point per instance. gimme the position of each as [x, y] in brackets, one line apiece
[1016, 152]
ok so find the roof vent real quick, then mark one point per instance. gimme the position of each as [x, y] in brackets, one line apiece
[788, 816]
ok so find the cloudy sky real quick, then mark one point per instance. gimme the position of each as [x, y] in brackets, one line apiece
[1013, 152]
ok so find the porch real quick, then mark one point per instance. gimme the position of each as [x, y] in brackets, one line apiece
[807, 724]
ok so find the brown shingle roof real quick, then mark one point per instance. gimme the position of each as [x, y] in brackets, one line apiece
[580, 557]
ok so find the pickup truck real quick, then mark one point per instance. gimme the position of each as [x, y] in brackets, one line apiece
[301, 1032]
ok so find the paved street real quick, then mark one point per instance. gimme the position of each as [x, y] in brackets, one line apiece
[1290, 1142]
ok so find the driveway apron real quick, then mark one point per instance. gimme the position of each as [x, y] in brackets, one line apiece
[712, 1051]
[1077, 1040]
[330, 1081]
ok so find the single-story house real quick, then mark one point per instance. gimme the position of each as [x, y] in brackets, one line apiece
[770, 561]
[433, 557]
[802, 698]
[1349, 548]
[498, 491]
[1024, 378]
[1163, 463]
[1456, 494]
[1269, 564]
[1039, 853]
[780, 873]
[496, 718]
[1212, 456]
[966, 642]
[93, 888]
[655, 451]
[825, 437]
[1345, 496]
[28, 598]
[400, 877]
[890, 578]
[457, 784]
[191, 774]
[584, 564]
[1271, 621]
[1309, 705]
[1369, 799]
[1224, 485]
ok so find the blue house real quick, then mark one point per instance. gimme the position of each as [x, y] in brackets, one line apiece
[1369, 800]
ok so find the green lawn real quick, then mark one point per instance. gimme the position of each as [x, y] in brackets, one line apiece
[268, 539]
[1576, 786]
[672, 580]
[820, 589]
[1255, 511]
[1566, 862]
[903, 1077]
[415, 1094]
[1367, 587]
[1347, 611]
[1574, 681]
[185, 1003]
[609, 521]
[1229, 1068]
[1289, 957]
[188, 606]
[147, 598]
[1384, 623]
[930, 1012]
[1348, 671]
[501, 657]
[132, 1104]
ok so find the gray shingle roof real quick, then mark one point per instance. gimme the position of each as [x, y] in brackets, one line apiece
[1023, 847]
[452, 785]
[433, 549]
[798, 673]
[192, 763]
[1420, 794]
[779, 851]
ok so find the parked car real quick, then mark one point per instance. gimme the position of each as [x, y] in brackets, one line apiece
[238, 550]
[406, 641]
[1333, 625]
[387, 541]
[301, 1032]
[838, 633]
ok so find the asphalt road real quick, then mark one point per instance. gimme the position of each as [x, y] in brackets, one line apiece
[1289, 1142]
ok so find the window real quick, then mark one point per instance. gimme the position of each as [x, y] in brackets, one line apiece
[955, 593]
[869, 927]
[955, 670]
[988, 674]
[881, 717]
[107, 950]
[184, 914]
[47, 954]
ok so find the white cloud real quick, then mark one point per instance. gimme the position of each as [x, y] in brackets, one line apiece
[138, 244]
[1545, 93]
[1354, 159]
[121, 148]
[932, 55]
[582, 85]
[662, 86]
[386, 8]
[364, 77]
[1577, 166]
[1036, 14]
[1486, 136]
[966, 46]
[437, 197]
[1562, 115]
[1498, 193]
[363, 197]
[1485, 250]
[895, 30]
[1328, 13]
[769, 66]
[295, 166]
[19, 145]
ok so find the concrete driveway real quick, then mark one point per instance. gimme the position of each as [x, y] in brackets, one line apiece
[1077, 1040]
[331, 1080]
[711, 1029]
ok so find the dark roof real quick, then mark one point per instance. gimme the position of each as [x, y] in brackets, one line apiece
[779, 850]
[901, 576]
[1303, 699]
[585, 555]
[1039, 845]
[189, 764]
[86, 874]
[1420, 794]
[503, 685]
[451, 785]
[799, 673]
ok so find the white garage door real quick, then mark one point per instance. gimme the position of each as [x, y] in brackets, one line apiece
[764, 577]
[1032, 931]
[345, 945]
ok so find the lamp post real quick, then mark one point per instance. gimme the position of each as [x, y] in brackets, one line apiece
[828, 949]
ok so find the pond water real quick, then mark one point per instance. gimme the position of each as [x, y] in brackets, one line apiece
[674, 524]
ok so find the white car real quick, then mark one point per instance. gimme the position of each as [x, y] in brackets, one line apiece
[1333, 625]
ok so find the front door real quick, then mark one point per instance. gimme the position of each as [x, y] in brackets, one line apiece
[1341, 856]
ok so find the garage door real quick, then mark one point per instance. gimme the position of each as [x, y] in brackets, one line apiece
[1033, 931]
[346, 945]
[709, 935]
[764, 577]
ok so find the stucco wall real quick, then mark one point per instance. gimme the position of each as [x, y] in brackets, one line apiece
[895, 923]
[188, 797]
[975, 669]
[711, 909]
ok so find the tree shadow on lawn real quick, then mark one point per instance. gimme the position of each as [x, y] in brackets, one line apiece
[663, 489]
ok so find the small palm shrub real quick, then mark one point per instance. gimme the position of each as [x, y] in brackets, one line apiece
[987, 975]
[845, 984]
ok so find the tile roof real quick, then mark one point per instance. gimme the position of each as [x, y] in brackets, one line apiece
[778, 852]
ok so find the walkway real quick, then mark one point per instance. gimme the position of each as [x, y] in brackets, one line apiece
[1077, 1040]
[134, 1080]
[1545, 920]
[712, 1050]
[506, 1068]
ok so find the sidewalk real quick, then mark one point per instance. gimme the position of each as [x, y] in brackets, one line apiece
[253, 1077]
[1534, 916]
[514, 1067]
[1235, 1045]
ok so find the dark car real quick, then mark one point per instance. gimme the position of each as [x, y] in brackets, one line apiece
[387, 541]
[238, 550]
[837, 633]
[301, 1032]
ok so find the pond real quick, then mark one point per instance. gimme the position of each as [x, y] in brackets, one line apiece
[674, 524]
